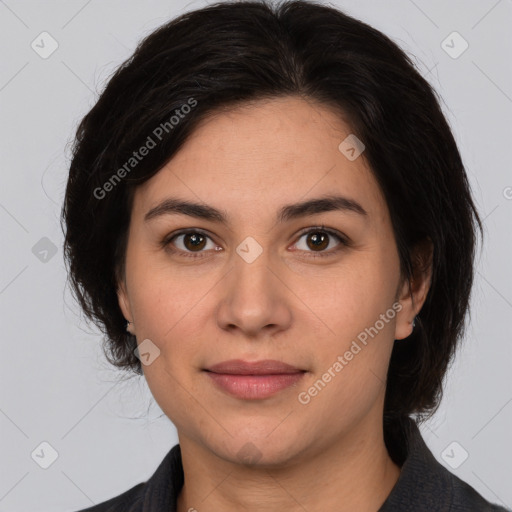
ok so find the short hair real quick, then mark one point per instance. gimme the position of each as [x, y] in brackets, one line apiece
[231, 54]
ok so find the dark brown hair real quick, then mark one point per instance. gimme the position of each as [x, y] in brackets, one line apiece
[232, 53]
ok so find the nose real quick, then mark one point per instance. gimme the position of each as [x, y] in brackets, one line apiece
[255, 299]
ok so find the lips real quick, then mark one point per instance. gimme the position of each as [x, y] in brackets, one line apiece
[254, 381]
[264, 367]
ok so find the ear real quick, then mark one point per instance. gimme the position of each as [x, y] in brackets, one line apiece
[413, 298]
[124, 303]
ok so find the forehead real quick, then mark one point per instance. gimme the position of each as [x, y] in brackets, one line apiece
[254, 159]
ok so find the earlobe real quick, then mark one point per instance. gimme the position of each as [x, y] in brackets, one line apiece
[124, 304]
[406, 315]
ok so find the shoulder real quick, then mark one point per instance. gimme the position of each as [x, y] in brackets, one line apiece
[466, 499]
[424, 484]
[129, 501]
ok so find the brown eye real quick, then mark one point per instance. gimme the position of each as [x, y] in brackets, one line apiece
[190, 243]
[194, 241]
[317, 240]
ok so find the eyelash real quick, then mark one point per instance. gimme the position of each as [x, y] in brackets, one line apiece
[344, 242]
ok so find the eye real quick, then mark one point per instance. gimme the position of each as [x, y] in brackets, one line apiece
[192, 241]
[318, 239]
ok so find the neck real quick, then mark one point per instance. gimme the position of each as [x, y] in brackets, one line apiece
[354, 473]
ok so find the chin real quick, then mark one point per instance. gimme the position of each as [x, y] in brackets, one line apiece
[259, 447]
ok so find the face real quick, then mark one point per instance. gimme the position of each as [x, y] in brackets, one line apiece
[317, 288]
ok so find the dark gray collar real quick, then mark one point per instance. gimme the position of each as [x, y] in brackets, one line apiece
[425, 485]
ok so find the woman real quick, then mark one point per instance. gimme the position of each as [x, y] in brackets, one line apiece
[269, 217]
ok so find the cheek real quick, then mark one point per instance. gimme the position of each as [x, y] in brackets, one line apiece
[163, 294]
[168, 313]
[351, 369]
[353, 295]
[169, 316]
[357, 325]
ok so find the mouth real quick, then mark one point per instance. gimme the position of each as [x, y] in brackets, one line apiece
[254, 380]
[264, 367]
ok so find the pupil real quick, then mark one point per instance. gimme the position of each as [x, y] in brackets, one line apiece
[195, 239]
[318, 240]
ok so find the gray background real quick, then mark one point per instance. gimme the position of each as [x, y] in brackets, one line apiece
[55, 384]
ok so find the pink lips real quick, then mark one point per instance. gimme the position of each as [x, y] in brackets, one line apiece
[254, 381]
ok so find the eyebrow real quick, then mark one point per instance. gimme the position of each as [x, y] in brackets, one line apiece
[329, 203]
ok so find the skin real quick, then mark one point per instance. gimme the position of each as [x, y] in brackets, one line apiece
[328, 454]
